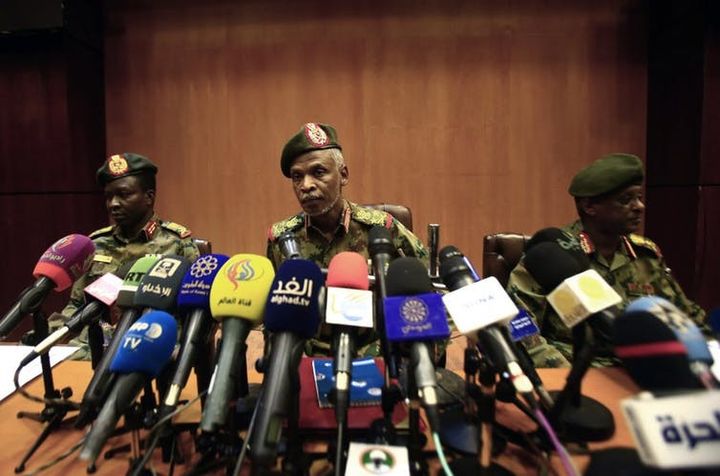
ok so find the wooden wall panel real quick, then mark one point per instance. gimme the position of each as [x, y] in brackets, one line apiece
[474, 114]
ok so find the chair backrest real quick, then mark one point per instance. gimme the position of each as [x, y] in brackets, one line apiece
[400, 212]
[204, 246]
[501, 253]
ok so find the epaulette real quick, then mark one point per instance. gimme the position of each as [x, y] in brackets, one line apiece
[645, 244]
[291, 224]
[180, 230]
[370, 216]
[102, 231]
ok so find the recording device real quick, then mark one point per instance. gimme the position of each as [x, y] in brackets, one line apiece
[193, 298]
[292, 315]
[433, 244]
[61, 264]
[146, 348]
[237, 299]
[102, 378]
[661, 348]
[349, 306]
[415, 315]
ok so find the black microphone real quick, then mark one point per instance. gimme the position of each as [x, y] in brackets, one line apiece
[146, 348]
[61, 264]
[292, 315]
[382, 252]
[289, 245]
[102, 378]
[237, 299]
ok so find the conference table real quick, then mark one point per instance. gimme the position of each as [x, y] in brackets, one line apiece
[608, 385]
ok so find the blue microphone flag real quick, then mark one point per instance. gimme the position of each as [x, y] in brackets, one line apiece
[147, 345]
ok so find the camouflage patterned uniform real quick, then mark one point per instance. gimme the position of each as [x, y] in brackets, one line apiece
[112, 250]
[351, 235]
[637, 269]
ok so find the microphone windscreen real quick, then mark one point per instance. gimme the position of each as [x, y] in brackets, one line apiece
[560, 238]
[407, 276]
[126, 296]
[241, 287]
[293, 301]
[682, 326]
[159, 287]
[449, 251]
[550, 265]
[380, 241]
[65, 260]
[147, 345]
[714, 322]
[651, 352]
[348, 269]
[195, 287]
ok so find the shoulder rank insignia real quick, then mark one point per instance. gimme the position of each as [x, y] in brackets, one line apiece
[176, 228]
[645, 243]
[585, 243]
[370, 216]
[291, 224]
[101, 232]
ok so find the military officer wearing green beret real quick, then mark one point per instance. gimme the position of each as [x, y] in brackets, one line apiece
[328, 224]
[609, 200]
[128, 181]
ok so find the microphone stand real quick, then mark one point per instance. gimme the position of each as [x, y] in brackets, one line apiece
[578, 417]
[54, 413]
[416, 441]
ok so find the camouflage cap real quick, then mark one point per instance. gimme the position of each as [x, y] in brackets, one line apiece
[122, 165]
[606, 174]
[312, 136]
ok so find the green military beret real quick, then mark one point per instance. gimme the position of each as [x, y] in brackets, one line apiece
[606, 174]
[311, 136]
[122, 165]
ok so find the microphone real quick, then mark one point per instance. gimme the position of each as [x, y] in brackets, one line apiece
[450, 251]
[101, 294]
[655, 335]
[193, 297]
[382, 251]
[414, 314]
[61, 264]
[349, 305]
[102, 378]
[237, 300]
[679, 431]
[482, 310]
[289, 246]
[583, 300]
[159, 286]
[433, 244]
[146, 348]
[292, 316]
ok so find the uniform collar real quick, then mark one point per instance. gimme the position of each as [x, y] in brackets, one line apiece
[147, 233]
[588, 246]
[343, 221]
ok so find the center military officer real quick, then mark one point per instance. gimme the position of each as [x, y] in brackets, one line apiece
[328, 223]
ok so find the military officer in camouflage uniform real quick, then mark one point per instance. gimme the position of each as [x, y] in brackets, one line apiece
[609, 200]
[128, 181]
[329, 224]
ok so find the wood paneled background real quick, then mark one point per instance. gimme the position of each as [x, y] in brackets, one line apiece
[474, 114]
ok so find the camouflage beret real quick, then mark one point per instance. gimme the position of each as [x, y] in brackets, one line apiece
[121, 165]
[311, 136]
[606, 174]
